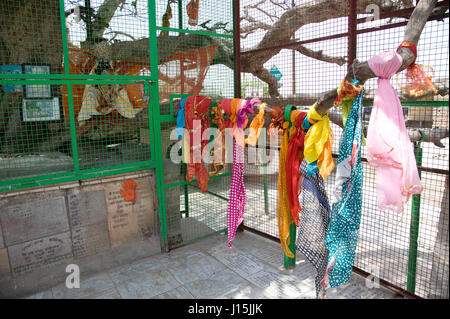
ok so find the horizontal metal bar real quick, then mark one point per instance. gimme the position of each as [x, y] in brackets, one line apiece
[195, 32]
[69, 82]
[386, 284]
[75, 77]
[420, 168]
[335, 36]
[262, 234]
[223, 230]
[194, 180]
[59, 178]
[209, 192]
[398, 13]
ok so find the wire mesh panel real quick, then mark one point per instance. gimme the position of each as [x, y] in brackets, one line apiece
[195, 48]
[80, 106]
[403, 249]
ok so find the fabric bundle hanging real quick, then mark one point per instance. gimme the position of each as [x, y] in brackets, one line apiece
[293, 160]
[238, 109]
[318, 142]
[196, 109]
[347, 92]
[314, 223]
[256, 125]
[192, 12]
[181, 121]
[342, 234]
[389, 148]
[418, 83]
[284, 215]
[219, 139]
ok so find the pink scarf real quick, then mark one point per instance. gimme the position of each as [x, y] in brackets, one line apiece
[389, 148]
[238, 197]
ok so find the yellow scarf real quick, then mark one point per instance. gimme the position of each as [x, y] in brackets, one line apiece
[283, 210]
[318, 142]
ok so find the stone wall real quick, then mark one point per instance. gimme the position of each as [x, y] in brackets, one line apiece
[88, 223]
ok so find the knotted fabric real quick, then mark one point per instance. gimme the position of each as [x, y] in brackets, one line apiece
[219, 139]
[197, 109]
[256, 125]
[418, 83]
[318, 142]
[277, 120]
[389, 148]
[237, 198]
[293, 161]
[342, 234]
[347, 92]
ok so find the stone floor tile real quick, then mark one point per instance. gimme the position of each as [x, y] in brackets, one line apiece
[90, 288]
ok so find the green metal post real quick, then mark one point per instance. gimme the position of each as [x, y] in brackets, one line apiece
[154, 89]
[73, 133]
[264, 159]
[180, 14]
[290, 262]
[414, 228]
[186, 192]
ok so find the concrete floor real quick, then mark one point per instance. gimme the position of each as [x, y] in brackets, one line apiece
[208, 269]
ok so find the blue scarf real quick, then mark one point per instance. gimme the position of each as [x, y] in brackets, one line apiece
[180, 119]
[342, 235]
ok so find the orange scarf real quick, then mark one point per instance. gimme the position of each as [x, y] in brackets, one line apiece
[256, 125]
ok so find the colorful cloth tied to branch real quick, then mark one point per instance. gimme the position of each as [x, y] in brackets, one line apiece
[192, 12]
[418, 83]
[389, 148]
[293, 161]
[284, 216]
[342, 234]
[237, 110]
[197, 122]
[256, 126]
[347, 92]
[318, 142]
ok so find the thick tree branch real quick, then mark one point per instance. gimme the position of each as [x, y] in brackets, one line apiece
[104, 15]
[430, 135]
[362, 70]
[319, 55]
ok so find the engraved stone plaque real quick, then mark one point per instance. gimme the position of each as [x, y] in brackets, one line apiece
[130, 222]
[87, 207]
[40, 253]
[34, 219]
[273, 284]
[241, 264]
[90, 240]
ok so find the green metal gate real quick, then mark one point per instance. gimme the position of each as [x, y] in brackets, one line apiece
[64, 63]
